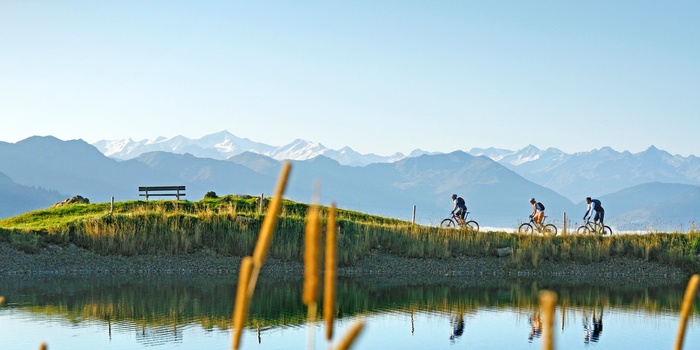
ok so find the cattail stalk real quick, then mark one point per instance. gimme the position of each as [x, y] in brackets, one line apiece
[350, 336]
[311, 256]
[330, 274]
[240, 311]
[250, 266]
[548, 301]
[690, 293]
[311, 267]
[268, 225]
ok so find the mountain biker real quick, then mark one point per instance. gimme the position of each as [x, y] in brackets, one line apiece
[537, 211]
[594, 205]
[460, 207]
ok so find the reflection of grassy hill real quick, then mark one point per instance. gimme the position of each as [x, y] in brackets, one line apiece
[209, 301]
[229, 226]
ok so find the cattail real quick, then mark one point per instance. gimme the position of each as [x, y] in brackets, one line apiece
[690, 292]
[43, 346]
[2, 300]
[329, 277]
[311, 256]
[350, 336]
[240, 311]
[548, 300]
[268, 225]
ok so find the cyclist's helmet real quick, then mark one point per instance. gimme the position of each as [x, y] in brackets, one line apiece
[532, 200]
[454, 196]
[588, 199]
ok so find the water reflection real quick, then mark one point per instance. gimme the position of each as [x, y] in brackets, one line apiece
[535, 326]
[179, 310]
[594, 328]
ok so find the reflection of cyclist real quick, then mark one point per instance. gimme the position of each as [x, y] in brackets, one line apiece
[594, 205]
[457, 326]
[460, 207]
[592, 331]
[536, 327]
[537, 211]
[597, 326]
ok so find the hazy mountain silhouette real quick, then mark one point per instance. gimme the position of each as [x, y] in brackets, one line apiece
[18, 199]
[636, 189]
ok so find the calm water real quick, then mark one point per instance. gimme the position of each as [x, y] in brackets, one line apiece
[195, 313]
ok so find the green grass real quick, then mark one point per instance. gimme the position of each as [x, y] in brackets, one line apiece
[229, 226]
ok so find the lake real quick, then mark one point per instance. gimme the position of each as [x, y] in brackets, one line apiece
[186, 312]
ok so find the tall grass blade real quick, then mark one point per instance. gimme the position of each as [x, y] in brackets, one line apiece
[548, 301]
[240, 311]
[690, 293]
[330, 274]
[350, 336]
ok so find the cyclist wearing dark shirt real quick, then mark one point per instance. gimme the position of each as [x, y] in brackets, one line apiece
[594, 205]
[460, 207]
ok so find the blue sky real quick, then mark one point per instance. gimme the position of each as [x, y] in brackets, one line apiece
[377, 76]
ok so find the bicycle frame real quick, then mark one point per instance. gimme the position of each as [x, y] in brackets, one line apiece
[542, 228]
[453, 222]
[593, 227]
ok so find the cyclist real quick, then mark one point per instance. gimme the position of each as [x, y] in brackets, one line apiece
[460, 208]
[537, 211]
[594, 205]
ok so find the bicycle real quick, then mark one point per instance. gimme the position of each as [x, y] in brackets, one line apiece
[590, 227]
[454, 221]
[529, 228]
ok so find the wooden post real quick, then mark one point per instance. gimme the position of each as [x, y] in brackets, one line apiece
[260, 203]
[111, 205]
[413, 220]
[563, 229]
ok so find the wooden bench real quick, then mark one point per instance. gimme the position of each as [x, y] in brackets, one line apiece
[174, 191]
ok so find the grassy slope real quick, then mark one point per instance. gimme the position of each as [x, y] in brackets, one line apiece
[229, 225]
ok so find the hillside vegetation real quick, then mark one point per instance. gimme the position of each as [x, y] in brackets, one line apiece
[229, 226]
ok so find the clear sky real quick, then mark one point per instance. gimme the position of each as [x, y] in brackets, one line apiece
[377, 76]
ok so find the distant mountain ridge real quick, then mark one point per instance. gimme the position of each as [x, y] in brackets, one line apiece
[223, 145]
[496, 190]
[576, 176]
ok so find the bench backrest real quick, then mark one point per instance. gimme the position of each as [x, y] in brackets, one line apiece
[152, 189]
[161, 188]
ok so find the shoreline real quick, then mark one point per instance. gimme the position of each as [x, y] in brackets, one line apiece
[379, 267]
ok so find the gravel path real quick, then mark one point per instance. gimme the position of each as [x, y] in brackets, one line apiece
[378, 268]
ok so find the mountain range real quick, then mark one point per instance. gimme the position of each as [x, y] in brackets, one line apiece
[647, 190]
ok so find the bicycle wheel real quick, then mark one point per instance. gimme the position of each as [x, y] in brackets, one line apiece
[583, 230]
[471, 225]
[447, 223]
[607, 231]
[549, 230]
[525, 228]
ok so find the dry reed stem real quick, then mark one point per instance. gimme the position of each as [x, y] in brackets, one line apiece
[330, 273]
[548, 301]
[240, 311]
[311, 256]
[690, 293]
[350, 336]
[268, 225]
[43, 346]
[2, 300]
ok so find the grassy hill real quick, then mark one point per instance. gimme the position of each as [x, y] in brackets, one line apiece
[229, 226]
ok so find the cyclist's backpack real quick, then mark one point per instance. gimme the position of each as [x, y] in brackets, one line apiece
[461, 203]
[598, 205]
[540, 206]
